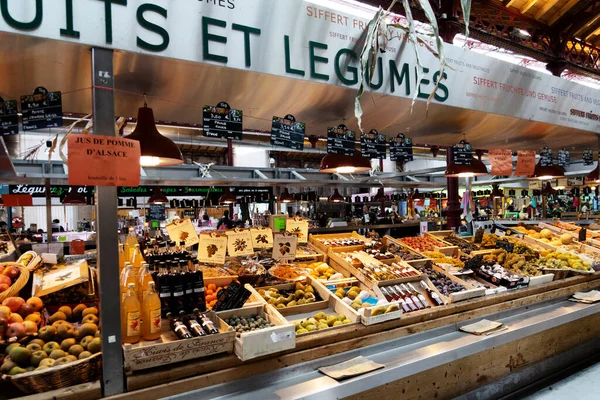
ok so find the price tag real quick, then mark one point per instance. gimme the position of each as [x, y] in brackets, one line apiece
[239, 242]
[501, 161]
[372, 145]
[582, 235]
[463, 153]
[212, 248]
[525, 163]
[564, 158]
[222, 122]
[183, 230]
[505, 245]
[42, 109]
[340, 141]
[401, 148]
[287, 132]
[262, 238]
[546, 157]
[588, 157]
[284, 246]
[299, 227]
[9, 119]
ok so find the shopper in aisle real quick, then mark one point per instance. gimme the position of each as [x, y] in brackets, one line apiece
[225, 222]
[56, 226]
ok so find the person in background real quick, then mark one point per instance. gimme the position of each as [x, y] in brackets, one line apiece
[236, 221]
[3, 226]
[205, 221]
[56, 226]
[225, 222]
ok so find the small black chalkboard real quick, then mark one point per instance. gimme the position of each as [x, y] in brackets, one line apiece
[341, 141]
[222, 122]
[9, 119]
[42, 109]
[588, 157]
[505, 245]
[372, 145]
[582, 235]
[401, 148]
[546, 157]
[286, 132]
[564, 158]
[463, 153]
[156, 212]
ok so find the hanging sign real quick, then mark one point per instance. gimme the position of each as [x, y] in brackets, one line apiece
[287, 132]
[222, 122]
[299, 227]
[546, 157]
[16, 200]
[535, 185]
[156, 212]
[463, 153]
[525, 163]
[575, 181]
[372, 145]
[182, 230]
[564, 158]
[501, 160]
[262, 238]
[212, 248]
[96, 160]
[340, 141]
[401, 148]
[41, 110]
[239, 242]
[588, 157]
[9, 119]
[284, 246]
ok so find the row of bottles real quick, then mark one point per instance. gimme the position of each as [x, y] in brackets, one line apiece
[140, 320]
[410, 298]
[195, 324]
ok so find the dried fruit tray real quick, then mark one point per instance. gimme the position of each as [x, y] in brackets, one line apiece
[316, 240]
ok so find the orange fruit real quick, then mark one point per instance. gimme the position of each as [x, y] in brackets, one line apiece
[212, 286]
[36, 302]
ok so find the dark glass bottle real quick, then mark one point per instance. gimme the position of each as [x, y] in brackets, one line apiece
[188, 286]
[164, 288]
[181, 331]
[198, 283]
[194, 326]
[177, 289]
[207, 324]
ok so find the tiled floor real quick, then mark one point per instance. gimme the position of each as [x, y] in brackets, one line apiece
[583, 385]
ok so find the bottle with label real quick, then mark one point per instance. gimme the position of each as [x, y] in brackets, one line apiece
[122, 258]
[422, 298]
[128, 278]
[207, 324]
[188, 286]
[130, 316]
[404, 297]
[409, 295]
[151, 318]
[432, 294]
[177, 290]
[137, 259]
[181, 331]
[194, 326]
[130, 242]
[198, 283]
[144, 279]
[164, 288]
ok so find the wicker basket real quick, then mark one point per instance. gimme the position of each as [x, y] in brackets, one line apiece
[18, 284]
[75, 373]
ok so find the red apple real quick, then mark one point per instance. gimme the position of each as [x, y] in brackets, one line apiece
[14, 317]
[11, 271]
[5, 279]
[25, 310]
[3, 287]
[14, 303]
[16, 329]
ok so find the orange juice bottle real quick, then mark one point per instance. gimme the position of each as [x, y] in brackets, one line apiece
[130, 242]
[151, 322]
[144, 278]
[130, 316]
[128, 278]
[137, 259]
[122, 257]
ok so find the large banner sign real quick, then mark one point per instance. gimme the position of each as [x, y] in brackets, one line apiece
[303, 40]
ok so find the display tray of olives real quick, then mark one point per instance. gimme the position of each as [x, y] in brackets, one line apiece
[292, 296]
[241, 324]
[318, 321]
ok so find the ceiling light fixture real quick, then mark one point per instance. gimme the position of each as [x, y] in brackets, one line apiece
[74, 198]
[496, 192]
[477, 168]
[544, 173]
[286, 197]
[336, 163]
[156, 149]
[594, 175]
[158, 197]
[336, 197]
[380, 196]
[227, 197]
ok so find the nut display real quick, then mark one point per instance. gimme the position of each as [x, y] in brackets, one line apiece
[464, 246]
[404, 254]
[248, 324]
[320, 321]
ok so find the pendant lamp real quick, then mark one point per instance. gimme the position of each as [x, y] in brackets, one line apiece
[546, 173]
[548, 190]
[74, 198]
[156, 149]
[417, 195]
[380, 196]
[158, 197]
[335, 163]
[594, 176]
[477, 168]
[227, 198]
[286, 197]
[336, 197]
[496, 192]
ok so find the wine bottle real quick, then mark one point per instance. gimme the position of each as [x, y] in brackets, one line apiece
[432, 294]
[188, 286]
[405, 297]
[164, 289]
[390, 297]
[194, 327]
[419, 295]
[414, 298]
[177, 290]
[207, 324]
[181, 331]
[198, 283]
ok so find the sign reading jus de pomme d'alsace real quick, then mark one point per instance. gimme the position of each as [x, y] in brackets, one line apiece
[319, 46]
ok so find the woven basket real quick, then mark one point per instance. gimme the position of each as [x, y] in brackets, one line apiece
[75, 373]
[17, 285]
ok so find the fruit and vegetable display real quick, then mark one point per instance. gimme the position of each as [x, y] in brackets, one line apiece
[464, 245]
[403, 253]
[421, 243]
[300, 295]
[213, 272]
[521, 248]
[488, 240]
[321, 270]
[320, 321]
[513, 263]
[248, 324]
[286, 272]
[8, 275]
[341, 242]
[440, 258]
[70, 334]
[563, 260]
[380, 272]
[443, 283]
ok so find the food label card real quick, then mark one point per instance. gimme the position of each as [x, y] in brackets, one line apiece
[284, 246]
[239, 242]
[212, 248]
[183, 230]
[299, 227]
[262, 238]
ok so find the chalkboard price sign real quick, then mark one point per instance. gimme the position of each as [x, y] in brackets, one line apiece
[463, 153]
[588, 157]
[222, 122]
[340, 141]
[372, 145]
[9, 119]
[401, 148]
[564, 158]
[546, 157]
[156, 212]
[287, 132]
[42, 109]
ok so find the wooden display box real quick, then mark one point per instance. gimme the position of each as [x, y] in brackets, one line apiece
[302, 258]
[422, 291]
[169, 349]
[254, 344]
[388, 239]
[254, 300]
[315, 241]
[337, 269]
[439, 236]
[367, 318]
[470, 292]
[317, 305]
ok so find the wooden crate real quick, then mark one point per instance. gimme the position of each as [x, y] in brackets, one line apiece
[470, 292]
[317, 305]
[388, 239]
[439, 236]
[319, 256]
[254, 300]
[169, 349]
[337, 269]
[254, 344]
[342, 263]
[424, 293]
[315, 241]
